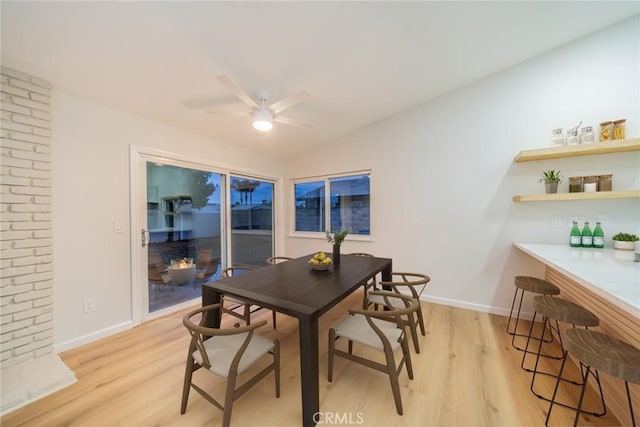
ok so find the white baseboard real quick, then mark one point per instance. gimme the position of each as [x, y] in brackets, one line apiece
[500, 311]
[94, 336]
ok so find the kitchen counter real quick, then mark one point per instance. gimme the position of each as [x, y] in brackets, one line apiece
[608, 272]
[607, 283]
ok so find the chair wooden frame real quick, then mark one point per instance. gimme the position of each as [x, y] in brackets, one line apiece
[246, 306]
[409, 281]
[199, 335]
[277, 259]
[390, 367]
[370, 285]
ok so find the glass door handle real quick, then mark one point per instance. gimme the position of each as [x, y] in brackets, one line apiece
[144, 237]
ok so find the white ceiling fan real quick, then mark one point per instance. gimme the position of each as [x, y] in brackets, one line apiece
[263, 114]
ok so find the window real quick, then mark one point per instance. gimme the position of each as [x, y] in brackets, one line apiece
[349, 204]
[310, 206]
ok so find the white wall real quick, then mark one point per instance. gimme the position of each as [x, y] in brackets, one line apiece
[90, 147]
[443, 178]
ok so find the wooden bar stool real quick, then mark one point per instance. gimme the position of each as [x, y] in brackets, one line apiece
[560, 310]
[600, 352]
[527, 284]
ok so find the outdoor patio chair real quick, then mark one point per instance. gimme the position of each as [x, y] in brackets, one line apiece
[204, 256]
[158, 279]
[210, 270]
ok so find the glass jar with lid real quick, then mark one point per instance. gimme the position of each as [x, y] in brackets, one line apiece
[619, 128]
[575, 184]
[586, 135]
[572, 136]
[605, 182]
[590, 184]
[605, 131]
[557, 137]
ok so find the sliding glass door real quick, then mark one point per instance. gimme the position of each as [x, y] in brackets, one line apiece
[251, 220]
[191, 222]
[184, 221]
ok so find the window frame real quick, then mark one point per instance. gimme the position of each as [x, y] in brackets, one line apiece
[327, 208]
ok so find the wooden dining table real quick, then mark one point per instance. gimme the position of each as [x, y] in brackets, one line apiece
[295, 289]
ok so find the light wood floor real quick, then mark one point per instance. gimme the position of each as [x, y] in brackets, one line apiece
[466, 375]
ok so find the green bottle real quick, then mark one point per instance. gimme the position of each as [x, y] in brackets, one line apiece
[575, 239]
[587, 237]
[598, 236]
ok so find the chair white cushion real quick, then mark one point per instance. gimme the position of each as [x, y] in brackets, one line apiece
[222, 349]
[397, 303]
[356, 328]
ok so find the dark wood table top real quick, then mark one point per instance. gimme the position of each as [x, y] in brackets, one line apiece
[294, 288]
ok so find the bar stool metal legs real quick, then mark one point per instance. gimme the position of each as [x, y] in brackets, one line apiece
[546, 326]
[600, 352]
[560, 310]
[527, 284]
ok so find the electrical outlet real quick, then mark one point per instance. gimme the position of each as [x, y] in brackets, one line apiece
[89, 305]
[556, 221]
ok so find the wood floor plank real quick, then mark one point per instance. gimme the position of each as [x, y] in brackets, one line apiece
[467, 374]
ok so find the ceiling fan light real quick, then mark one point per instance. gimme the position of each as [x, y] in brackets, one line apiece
[262, 120]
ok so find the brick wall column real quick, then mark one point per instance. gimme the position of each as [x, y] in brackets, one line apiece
[26, 253]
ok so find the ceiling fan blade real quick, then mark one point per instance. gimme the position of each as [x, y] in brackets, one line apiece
[238, 91]
[288, 101]
[291, 122]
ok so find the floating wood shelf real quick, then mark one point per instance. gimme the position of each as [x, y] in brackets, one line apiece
[631, 144]
[600, 195]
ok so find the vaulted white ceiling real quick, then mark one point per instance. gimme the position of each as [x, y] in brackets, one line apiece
[361, 62]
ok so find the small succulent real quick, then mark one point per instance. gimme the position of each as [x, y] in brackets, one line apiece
[337, 237]
[625, 237]
[551, 176]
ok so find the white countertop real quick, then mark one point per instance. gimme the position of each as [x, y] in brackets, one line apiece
[607, 272]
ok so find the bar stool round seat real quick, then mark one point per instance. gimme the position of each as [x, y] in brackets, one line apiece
[527, 284]
[560, 310]
[564, 311]
[536, 285]
[603, 353]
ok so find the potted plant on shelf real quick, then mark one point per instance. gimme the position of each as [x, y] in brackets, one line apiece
[336, 238]
[551, 179]
[625, 241]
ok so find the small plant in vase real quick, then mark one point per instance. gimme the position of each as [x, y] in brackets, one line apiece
[336, 238]
[551, 179]
[625, 241]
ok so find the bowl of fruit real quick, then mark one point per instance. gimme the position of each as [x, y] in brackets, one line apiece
[321, 261]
